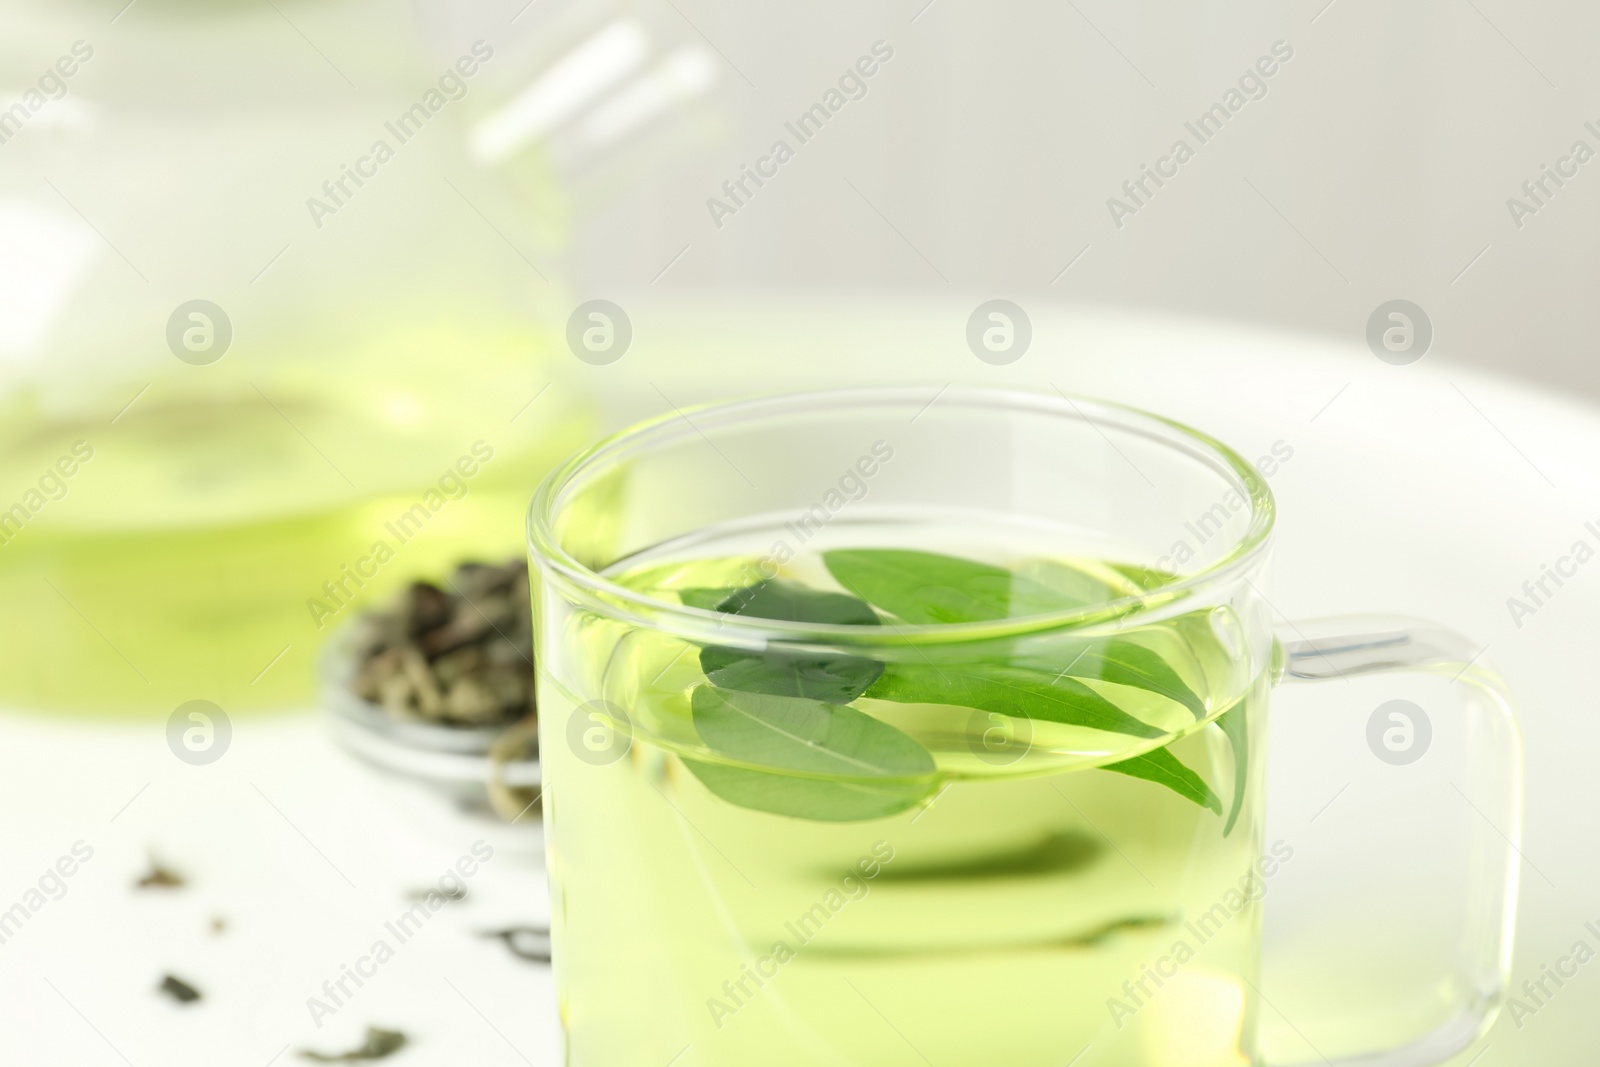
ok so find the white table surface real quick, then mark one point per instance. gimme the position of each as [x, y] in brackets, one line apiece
[1421, 490]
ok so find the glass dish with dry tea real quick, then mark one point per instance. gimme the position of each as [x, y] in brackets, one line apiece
[438, 686]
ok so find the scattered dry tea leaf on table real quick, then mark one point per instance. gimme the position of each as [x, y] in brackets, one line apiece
[179, 990]
[454, 893]
[525, 942]
[160, 877]
[379, 1044]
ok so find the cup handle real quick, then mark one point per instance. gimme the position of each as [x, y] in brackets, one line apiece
[1347, 647]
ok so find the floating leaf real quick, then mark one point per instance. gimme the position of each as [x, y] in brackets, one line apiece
[929, 588]
[1082, 582]
[1163, 768]
[926, 587]
[786, 601]
[785, 711]
[1015, 691]
[705, 599]
[821, 761]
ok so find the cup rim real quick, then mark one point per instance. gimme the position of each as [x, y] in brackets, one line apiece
[600, 593]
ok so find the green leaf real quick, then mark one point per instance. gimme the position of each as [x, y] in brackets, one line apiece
[1127, 662]
[1082, 582]
[1236, 724]
[1015, 691]
[822, 761]
[834, 678]
[808, 736]
[925, 587]
[786, 601]
[1163, 768]
[705, 599]
[928, 588]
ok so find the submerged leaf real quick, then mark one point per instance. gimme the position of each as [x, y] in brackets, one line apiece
[1015, 691]
[819, 760]
[820, 800]
[1127, 662]
[1163, 768]
[809, 736]
[1235, 723]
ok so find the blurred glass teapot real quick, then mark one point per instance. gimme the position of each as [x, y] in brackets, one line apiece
[271, 344]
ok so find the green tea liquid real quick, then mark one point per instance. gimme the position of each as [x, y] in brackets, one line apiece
[1034, 908]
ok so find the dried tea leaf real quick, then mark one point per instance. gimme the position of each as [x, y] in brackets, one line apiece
[454, 893]
[458, 654]
[179, 990]
[530, 943]
[378, 1045]
[160, 877]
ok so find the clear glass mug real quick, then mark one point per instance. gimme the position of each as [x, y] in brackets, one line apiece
[918, 726]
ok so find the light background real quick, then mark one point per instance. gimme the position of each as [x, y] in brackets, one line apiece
[1378, 166]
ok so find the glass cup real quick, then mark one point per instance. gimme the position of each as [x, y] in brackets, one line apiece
[917, 726]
